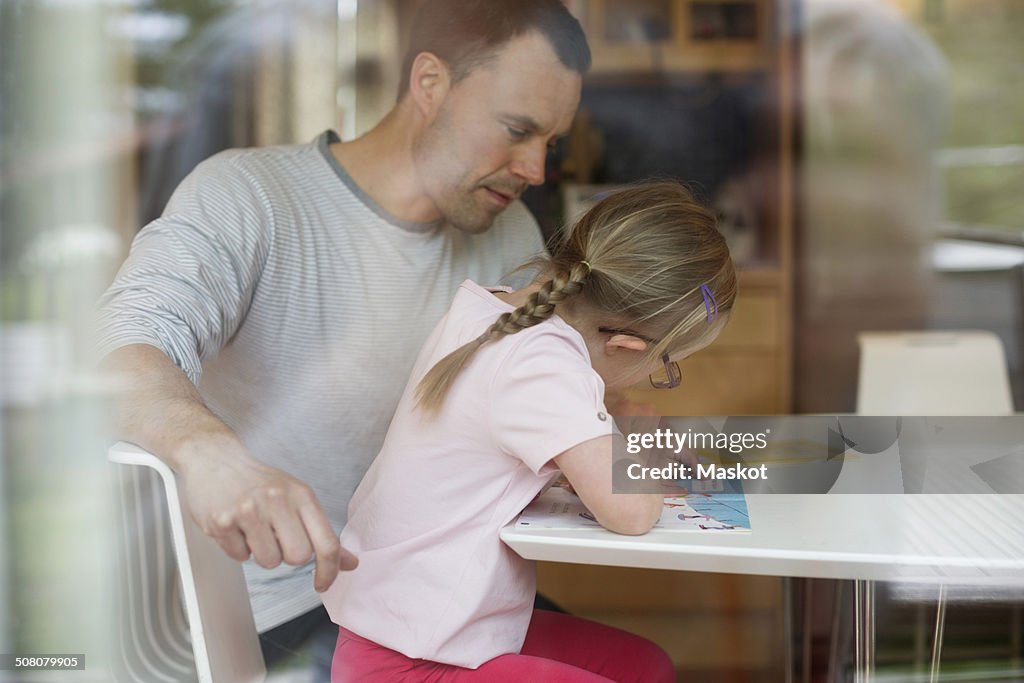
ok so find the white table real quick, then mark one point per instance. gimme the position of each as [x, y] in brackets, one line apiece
[861, 537]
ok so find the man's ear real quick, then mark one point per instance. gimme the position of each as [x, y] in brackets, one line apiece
[620, 342]
[429, 81]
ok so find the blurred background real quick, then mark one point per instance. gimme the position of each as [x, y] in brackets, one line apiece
[866, 158]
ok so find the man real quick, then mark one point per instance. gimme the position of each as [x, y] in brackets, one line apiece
[294, 285]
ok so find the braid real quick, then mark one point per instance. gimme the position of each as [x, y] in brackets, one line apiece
[540, 306]
[432, 389]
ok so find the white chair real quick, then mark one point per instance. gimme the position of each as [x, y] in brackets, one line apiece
[932, 373]
[223, 634]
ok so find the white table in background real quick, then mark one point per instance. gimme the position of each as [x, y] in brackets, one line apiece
[964, 539]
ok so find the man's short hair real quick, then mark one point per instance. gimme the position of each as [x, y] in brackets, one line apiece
[467, 33]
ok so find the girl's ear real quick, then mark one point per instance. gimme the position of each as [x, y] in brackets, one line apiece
[627, 342]
[428, 83]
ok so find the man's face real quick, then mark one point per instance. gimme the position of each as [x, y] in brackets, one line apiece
[490, 137]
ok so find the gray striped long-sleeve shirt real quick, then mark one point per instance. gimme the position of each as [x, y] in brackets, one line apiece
[298, 306]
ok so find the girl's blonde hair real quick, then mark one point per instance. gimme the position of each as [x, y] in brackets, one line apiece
[647, 258]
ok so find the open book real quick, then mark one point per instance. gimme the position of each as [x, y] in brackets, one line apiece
[700, 510]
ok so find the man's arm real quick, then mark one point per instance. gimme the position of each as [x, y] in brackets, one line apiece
[184, 290]
[244, 505]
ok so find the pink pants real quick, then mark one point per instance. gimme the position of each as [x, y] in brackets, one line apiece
[558, 647]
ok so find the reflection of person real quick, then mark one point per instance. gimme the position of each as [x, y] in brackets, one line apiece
[872, 110]
[874, 94]
[503, 395]
[267, 321]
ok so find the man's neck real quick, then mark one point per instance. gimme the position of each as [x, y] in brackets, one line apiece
[381, 164]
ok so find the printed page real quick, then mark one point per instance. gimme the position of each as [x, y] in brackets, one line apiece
[701, 510]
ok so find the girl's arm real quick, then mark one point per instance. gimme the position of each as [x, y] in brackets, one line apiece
[588, 467]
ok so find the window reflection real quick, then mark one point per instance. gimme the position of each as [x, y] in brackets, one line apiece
[216, 74]
[866, 158]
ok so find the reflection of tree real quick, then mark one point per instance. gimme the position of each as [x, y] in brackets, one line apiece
[223, 70]
[196, 123]
[152, 68]
[985, 52]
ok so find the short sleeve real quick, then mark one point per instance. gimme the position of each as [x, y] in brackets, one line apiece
[545, 398]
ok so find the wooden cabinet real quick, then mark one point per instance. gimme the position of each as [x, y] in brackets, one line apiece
[746, 370]
[677, 35]
[722, 625]
[703, 90]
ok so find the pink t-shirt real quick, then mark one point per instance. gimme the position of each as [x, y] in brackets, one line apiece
[434, 579]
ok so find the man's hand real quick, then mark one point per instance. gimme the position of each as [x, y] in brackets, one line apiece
[252, 509]
[244, 505]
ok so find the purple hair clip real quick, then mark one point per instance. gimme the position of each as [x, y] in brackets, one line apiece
[709, 301]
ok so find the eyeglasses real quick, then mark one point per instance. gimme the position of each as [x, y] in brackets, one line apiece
[668, 377]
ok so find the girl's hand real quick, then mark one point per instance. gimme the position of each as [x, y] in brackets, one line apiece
[565, 485]
[632, 418]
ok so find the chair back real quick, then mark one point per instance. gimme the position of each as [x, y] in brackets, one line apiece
[932, 373]
[220, 620]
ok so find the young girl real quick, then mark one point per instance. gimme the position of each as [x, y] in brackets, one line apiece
[508, 390]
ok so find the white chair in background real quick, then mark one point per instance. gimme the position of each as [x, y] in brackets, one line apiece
[932, 373]
[223, 633]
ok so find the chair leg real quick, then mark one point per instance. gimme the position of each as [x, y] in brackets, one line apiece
[920, 637]
[787, 627]
[805, 664]
[940, 626]
[1016, 649]
[864, 629]
[837, 640]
